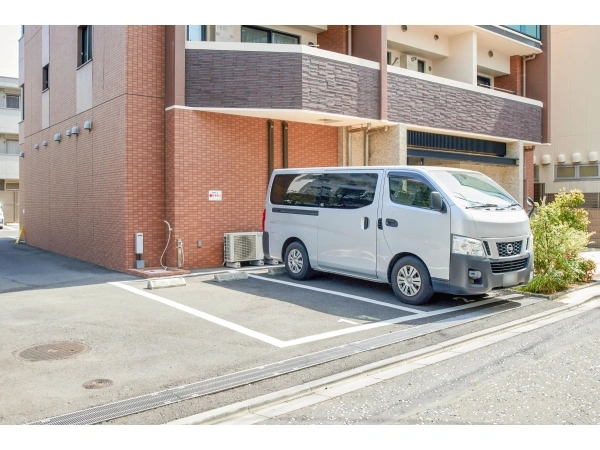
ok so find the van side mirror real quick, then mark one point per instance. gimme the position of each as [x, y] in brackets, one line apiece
[435, 201]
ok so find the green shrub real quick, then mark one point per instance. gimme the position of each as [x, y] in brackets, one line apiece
[560, 233]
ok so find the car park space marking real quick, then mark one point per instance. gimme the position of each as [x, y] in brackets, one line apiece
[9, 228]
[340, 294]
[347, 321]
[224, 323]
[316, 337]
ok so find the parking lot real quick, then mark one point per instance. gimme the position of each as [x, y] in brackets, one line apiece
[145, 341]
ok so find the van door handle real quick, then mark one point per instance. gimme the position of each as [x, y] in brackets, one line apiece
[391, 223]
[365, 223]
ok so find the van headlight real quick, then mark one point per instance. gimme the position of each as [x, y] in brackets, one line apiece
[467, 246]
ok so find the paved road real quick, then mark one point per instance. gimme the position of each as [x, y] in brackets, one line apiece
[546, 376]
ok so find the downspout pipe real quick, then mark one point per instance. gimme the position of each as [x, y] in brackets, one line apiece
[525, 59]
[271, 149]
[349, 40]
[284, 144]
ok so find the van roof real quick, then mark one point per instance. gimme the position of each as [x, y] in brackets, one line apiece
[361, 168]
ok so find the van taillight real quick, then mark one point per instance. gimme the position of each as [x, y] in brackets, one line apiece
[263, 221]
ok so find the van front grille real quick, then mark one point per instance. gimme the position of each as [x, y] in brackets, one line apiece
[509, 248]
[509, 266]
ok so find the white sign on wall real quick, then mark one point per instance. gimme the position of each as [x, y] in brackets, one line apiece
[224, 33]
[215, 196]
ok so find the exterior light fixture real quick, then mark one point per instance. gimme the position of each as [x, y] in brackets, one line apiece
[68, 133]
[22, 155]
[491, 54]
[44, 143]
[36, 146]
[414, 58]
[75, 130]
[57, 137]
[404, 28]
[436, 37]
[88, 124]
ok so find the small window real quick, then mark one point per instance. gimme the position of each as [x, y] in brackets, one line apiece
[484, 81]
[348, 190]
[12, 147]
[260, 35]
[12, 101]
[588, 171]
[22, 102]
[45, 79]
[536, 173]
[421, 66]
[410, 192]
[196, 33]
[565, 172]
[296, 190]
[389, 58]
[12, 186]
[85, 44]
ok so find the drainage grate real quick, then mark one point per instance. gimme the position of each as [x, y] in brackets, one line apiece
[54, 350]
[97, 384]
[135, 405]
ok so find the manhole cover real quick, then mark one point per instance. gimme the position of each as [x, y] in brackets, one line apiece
[55, 350]
[97, 384]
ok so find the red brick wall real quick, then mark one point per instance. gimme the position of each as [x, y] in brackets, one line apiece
[514, 81]
[207, 151]
[335, 39]
[145, 159]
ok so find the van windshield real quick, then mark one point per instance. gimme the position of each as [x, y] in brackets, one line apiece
[474, 190]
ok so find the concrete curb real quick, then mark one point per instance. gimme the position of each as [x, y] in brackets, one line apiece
[578, 298]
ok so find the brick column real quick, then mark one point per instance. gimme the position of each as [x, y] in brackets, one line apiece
[514, 81]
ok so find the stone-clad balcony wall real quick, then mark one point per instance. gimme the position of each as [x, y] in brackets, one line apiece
[424, 100]
[276, 76]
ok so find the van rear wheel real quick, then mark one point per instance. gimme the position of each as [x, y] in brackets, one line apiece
[296, 262]
[411, 281]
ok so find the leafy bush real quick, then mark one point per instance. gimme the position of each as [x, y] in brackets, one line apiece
[559, 234]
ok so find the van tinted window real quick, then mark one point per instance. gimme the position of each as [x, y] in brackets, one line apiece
[410, 192]
[296, 190]
[348, 190]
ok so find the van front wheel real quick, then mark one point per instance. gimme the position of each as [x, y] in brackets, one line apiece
[296, 261]
[411, 282]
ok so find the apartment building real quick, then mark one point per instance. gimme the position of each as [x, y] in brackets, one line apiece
[128, 126]
[10, 116]
[572, 162]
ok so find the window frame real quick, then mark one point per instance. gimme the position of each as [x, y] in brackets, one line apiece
[577, 174]
[490, 80]
[22, 102]
[84, 36]
[203, 31]
[6, 147]
[18, 101]
[410, 177]
[556, 167]
[269, 34]
[536, 173]
[46, 77]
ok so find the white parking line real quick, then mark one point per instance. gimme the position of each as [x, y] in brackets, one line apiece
[316, 337]
[202, 315]
[340, 294]
[9, 228]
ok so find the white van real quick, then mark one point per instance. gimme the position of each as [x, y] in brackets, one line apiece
[1, 218]
[421, 229]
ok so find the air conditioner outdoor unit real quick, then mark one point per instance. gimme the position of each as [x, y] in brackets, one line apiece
[240, 247]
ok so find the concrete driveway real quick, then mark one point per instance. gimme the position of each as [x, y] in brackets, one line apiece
[146, 341]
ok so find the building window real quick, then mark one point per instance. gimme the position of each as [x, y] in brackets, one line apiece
[536, 173]
[12, 147]
[421, 66]
[588, 171]
[84, 44]
[565, 172]
[484, 81]
[45, 79]
[533, 31]
[12, 101]
[22, 30]
[251, 33]
[22, 102]
[12, 186]
[195, 33]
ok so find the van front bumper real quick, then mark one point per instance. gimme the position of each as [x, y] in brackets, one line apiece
[460, 266]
